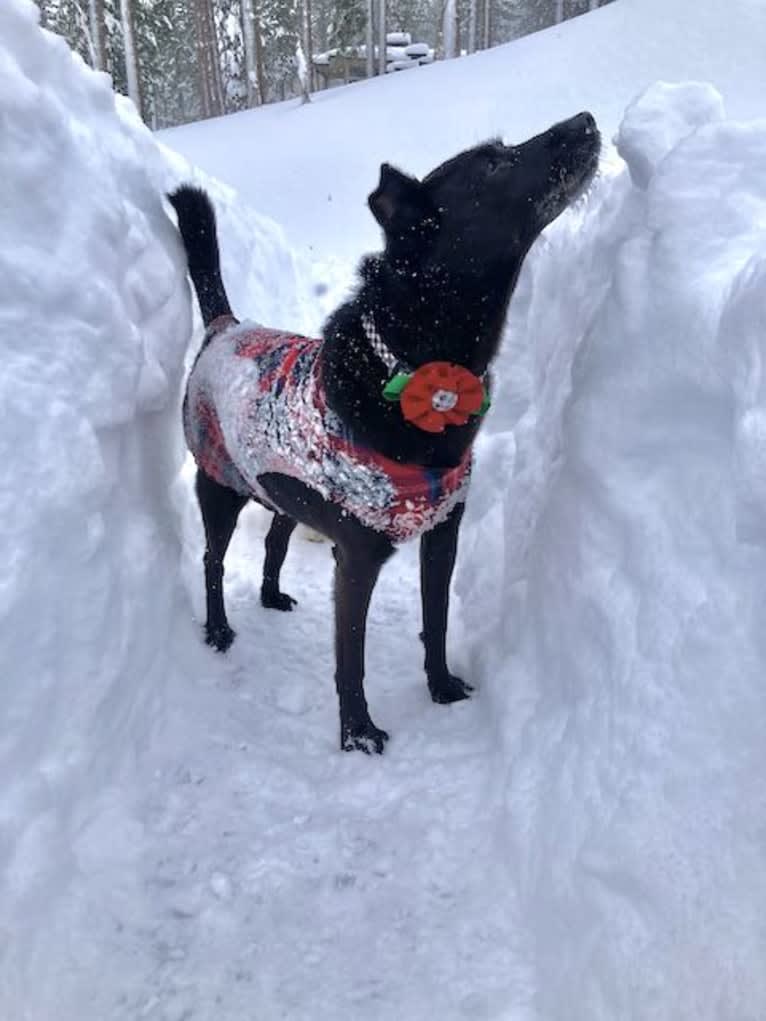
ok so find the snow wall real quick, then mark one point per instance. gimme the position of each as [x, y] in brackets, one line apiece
[612, 583]
[95, 321]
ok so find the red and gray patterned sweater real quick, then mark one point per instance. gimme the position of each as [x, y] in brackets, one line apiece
[255, 404]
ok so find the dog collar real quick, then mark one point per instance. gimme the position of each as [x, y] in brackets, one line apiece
[432, 396]
[379, 347]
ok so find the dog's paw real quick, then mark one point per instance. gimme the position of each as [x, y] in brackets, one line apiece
[219, 636]
[277, 600]
[447, 689]
[366, 738]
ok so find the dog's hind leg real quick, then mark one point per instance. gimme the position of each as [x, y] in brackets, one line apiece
[438, 549]
[220, 507]
[277, 541]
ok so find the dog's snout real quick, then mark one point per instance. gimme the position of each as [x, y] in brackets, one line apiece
[581, 124]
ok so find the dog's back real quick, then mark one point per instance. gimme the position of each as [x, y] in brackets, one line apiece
[255, 405]
[251, 405]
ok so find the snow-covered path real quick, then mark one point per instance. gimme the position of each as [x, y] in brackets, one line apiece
[281, 878]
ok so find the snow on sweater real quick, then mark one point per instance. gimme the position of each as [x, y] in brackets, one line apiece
[255, 404]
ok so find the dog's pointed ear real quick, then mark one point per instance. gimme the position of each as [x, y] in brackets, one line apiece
[399, 202]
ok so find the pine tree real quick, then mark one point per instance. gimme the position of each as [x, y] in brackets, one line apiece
[382, 47]
[185, 59]
[369, 39]
[281, 31]
[347, 23]
[231, 53]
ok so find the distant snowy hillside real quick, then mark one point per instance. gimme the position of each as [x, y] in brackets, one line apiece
[599, 61]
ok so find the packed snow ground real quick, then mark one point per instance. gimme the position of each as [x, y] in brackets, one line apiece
[584, 840]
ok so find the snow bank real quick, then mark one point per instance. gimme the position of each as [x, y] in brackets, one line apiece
[94, 319]
[619, 513]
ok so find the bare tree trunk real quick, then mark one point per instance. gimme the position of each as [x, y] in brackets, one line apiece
[382, 48]
[593, 5]
[131, 63]
[260, 77]
[214, 63]
[209, 65]
[486, 29]
[199, 31]
[308, 47]
[369, 39]
[86, 33]
[472, 17]
[307, 44]
[248, 36]
[97, 20]
[303, 52]
[558, 11]
[449, 29]
[303, 75]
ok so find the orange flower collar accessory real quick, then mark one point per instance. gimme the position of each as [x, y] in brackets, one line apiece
[433, 396]
[438, 394]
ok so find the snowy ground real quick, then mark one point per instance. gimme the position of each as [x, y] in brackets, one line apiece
[584, 840]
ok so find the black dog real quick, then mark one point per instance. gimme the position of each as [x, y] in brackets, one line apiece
[396, 390]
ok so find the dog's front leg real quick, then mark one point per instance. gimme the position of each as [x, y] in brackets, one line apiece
[438, 549]
[357, 567]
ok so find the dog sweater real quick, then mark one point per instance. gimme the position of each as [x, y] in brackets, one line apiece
[255, 404]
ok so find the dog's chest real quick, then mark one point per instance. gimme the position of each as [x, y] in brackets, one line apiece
[255, 405]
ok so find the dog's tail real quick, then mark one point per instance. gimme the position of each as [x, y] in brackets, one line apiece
[196, 222]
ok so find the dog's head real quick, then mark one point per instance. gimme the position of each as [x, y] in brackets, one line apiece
[483, 209]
